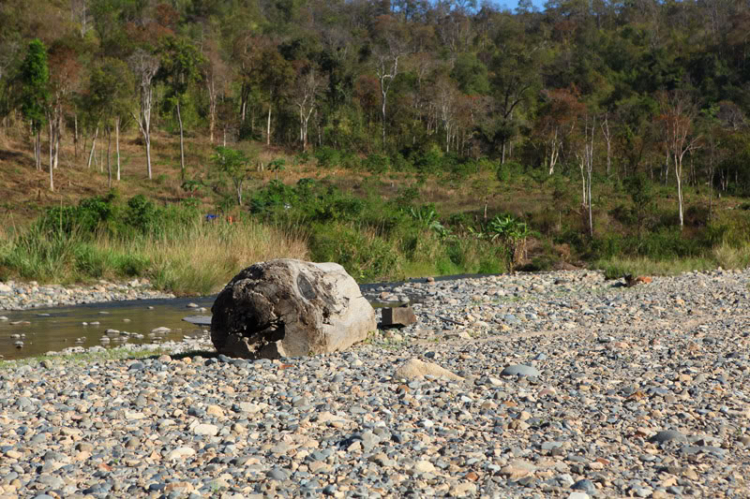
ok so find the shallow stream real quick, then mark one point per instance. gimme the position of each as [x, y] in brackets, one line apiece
[55, 329]
[37, 331]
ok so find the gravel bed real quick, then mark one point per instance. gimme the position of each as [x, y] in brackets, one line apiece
[561, 385]
[24, 296]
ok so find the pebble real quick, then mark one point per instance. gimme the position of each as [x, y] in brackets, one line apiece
[29, 295]
[520, 370]
[612, 368]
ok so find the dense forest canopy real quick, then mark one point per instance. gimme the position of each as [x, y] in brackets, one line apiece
[618, 87]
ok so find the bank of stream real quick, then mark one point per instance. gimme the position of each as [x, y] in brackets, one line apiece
[38, 331]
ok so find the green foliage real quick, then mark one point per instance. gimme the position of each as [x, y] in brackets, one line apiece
[233, 164]
[328, 157]
[511, 233]
[471, 74]
[34, 77]
[110, 88]
[377, 163]
[364, 257]
[179, 65]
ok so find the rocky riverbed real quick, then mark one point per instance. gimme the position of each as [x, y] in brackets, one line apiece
[24, 296]
[556, 385]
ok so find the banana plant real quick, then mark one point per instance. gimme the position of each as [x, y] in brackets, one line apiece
[511, 233]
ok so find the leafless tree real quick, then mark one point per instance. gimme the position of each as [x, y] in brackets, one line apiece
[308, 86]
[144, 66]
[387, 56]
[386, 68]
[678, 113]
[446, 97]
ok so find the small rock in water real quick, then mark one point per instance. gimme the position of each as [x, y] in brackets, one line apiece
[161, 330]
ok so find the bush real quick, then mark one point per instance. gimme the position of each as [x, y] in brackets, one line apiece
[364, 255]
[89, 215]
[142, 214]
[430, 162]
[377, 163]
[328, 157]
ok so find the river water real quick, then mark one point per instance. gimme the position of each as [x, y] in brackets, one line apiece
[55, 329]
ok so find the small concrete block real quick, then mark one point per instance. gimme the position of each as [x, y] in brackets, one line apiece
[401, 316]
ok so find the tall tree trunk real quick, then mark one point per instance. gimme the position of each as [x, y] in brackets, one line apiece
[591, 213]
[268, 126]
[51, 155]
[383, 112]
[38, 149]
[51, 136]
[58, 134]
[182, 141]
[211, 107]
[93, 147]
[148, 155]
[117, 145]
[109, 163]
[553, 154]
[238, 186]
[75, 137]
[678, 177]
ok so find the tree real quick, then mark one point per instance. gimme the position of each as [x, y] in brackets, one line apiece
[144, 66]
[235, 165]
[386, 69]
[558, 120]
[179, 68]
[387, 53]
[585, 156]
[446, 103]
[64, 76]
[678, 112]
[308, 86]
[110, 88]
[516, 78]
[34, 78]
[274, 76]
[215, 75]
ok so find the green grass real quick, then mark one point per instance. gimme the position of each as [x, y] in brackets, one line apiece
[192, 258]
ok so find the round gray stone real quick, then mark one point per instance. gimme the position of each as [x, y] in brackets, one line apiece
[667, 435]
[520, 370]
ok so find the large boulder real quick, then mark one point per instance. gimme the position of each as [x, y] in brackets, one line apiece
[290, 308]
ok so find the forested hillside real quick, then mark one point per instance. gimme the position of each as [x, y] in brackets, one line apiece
[621, 110]
[655, 85]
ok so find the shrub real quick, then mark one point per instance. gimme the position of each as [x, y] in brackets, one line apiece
[377, 163]
[142, 214]
[328, 157]
[363, 254]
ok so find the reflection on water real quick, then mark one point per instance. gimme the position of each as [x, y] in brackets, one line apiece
[54, 329]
